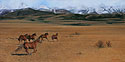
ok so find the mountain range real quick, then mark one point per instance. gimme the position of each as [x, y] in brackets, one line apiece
[74, 10]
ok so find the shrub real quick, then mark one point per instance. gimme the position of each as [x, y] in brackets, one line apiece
[108, 43]
[109, 22]
[100, 44]
[76, 33]
[31, 19]
[46, 21]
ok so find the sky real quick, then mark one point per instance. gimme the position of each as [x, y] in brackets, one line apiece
[16, 4]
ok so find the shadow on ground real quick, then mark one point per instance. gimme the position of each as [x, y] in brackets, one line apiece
[19, 54]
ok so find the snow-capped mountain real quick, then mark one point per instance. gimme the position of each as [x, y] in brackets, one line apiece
[4, 10]
[97, 10]
[55, 10]
[44, 8]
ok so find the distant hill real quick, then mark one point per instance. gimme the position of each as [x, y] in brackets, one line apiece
[64, 17]
[93, 17]
[46, 14]
[28, 11]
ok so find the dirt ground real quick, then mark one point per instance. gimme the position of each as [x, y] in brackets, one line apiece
[71, 47]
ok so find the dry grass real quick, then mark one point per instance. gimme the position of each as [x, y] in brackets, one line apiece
[77, 48]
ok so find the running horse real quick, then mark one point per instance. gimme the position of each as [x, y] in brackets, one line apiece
[31, 37]
[22, 38]
[32, 45]
[44, 36]
[29, 45]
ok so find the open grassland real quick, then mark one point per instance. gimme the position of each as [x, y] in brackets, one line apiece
[76, 43]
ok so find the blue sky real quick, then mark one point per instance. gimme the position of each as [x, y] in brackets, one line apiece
[14, 4]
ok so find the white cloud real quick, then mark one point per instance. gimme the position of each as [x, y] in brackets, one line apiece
[14, 4]
[87, 3]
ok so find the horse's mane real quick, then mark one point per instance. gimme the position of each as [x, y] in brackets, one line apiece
[34, 34]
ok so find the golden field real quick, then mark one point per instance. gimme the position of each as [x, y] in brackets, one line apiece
[69, 48]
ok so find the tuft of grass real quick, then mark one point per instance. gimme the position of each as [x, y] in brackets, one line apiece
[76, 33]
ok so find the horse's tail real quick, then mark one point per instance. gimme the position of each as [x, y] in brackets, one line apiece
[19, 47]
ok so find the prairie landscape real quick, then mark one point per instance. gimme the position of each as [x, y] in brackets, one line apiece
[75, 44]
[83, 30]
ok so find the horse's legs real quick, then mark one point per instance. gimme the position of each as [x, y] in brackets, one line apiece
[25, 40]
[57, 39]
[27, 51]
[33, 39]
[34, 50]
[47, 38]
[42, 39]
[29, 40]
[20, 41]
[52, 39]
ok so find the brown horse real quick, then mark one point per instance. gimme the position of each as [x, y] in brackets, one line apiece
[31, 37]
[29, 45]
[55, 36]
[22, 37]
[44, 36]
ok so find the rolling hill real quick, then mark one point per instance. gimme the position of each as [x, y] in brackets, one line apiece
[65, 18]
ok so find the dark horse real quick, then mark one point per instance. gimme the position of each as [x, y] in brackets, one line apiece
[55, 36]
[22, 38]
[31, 37]
[44, 36]
[30, 45]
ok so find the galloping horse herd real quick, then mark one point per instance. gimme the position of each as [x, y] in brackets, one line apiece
[27, 44]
